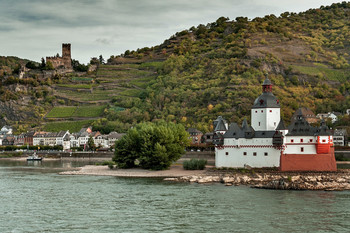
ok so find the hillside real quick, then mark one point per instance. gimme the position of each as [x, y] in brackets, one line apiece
[209, 70]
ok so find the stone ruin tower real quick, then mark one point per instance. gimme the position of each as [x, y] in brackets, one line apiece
[62, 62]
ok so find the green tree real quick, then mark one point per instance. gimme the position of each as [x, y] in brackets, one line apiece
[91, 143]
[151, 146]
[101, 59]
[43, 64]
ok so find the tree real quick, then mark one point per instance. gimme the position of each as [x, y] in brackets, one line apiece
[91, 143]
[49, 66]
[79, 67]
[151, 146]
[101, 59]
[43, 64]
[31, 65]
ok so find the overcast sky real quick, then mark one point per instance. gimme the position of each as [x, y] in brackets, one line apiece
[36, 28]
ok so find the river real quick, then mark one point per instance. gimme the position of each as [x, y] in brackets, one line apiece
[34, 198]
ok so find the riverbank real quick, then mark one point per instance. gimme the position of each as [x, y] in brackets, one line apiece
[329, 181]
[175, 171]
[256, 178]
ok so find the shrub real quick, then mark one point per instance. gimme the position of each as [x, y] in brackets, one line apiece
[195, 164]
[154, 145]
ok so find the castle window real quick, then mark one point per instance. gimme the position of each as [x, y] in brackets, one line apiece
[301, 149]
[244, 153]
[262, 110]
[266, 154]
[301, 140]
[259, 123]
[226, 153]
[292, 140]
[323, 140]
[270, 110]
[310, 140]
[254, 153]
[256, 111]
[274, 123]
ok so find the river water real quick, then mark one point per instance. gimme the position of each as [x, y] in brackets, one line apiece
[34, 198]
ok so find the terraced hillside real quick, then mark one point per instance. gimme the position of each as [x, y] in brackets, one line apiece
[94, 93]
[107, 82]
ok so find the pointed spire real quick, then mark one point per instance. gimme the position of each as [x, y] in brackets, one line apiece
[281, 125]
[220, 124]
[267, 85]
[244, 124]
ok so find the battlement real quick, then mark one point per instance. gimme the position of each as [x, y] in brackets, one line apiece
[64, 61]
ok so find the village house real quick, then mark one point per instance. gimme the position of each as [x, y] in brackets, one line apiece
[340, 137]
[8, 140]
[28, 138]
[6, 130]
[38, 138]
[112, 137]
[60, 136]
[195, 136]
[308, 115]
[330, 115]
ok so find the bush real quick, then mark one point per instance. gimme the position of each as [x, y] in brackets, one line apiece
[153, 145]
[107, 163]
[195, 164]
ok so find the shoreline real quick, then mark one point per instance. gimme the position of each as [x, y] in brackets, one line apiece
[255, 178]
[263, 179]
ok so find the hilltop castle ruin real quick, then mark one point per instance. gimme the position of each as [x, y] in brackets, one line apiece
[62, 62]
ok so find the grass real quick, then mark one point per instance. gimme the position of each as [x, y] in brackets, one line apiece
[123, 73]
[323, 71]
[153, 65]
[117, 109]
[130, 92]
[89, 111]
[87, 96]
[61, 112]
[142, 82]
[82, 79]
[78, 86]
[73, 111]
[72, 126]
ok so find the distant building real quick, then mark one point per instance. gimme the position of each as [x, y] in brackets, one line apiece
[62, 62]
[340, 137]
[195, 136]
[330, 115]
[308, 115]
[6, 130]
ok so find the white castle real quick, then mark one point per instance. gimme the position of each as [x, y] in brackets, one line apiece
[267, 142]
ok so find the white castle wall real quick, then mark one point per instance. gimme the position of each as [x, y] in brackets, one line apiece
[257, 152]
[265, 118]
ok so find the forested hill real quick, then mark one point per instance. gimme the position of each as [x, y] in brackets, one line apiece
[218, 69]
[207, 71]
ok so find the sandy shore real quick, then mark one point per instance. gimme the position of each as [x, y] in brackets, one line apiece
[174, 171]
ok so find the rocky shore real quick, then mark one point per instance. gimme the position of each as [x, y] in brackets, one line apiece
[275, 180]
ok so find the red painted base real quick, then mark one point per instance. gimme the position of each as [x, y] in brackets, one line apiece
[308, 162]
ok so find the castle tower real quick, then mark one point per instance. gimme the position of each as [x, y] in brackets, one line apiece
[66, 55]
[265, 113]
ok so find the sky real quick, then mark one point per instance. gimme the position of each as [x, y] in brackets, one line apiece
[33, 29]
